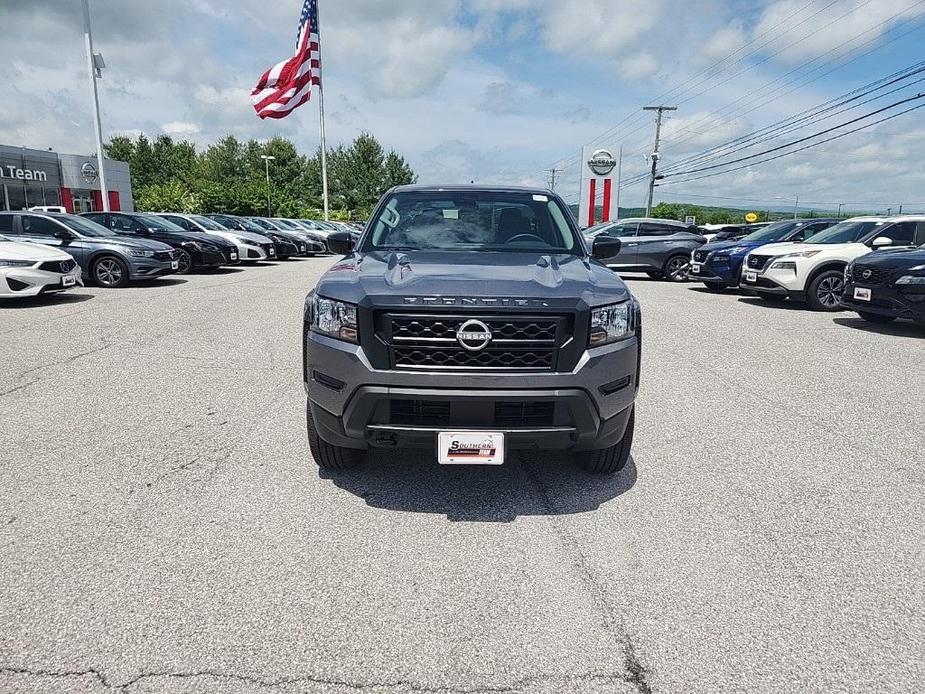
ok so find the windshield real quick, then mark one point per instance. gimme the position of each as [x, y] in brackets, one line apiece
[846, 232]
[285, 224]
[155, 223]
[773, 232]
[207, 223]
[472, 221]
[85, 227]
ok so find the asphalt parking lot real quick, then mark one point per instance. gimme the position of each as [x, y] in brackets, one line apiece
[164, 529]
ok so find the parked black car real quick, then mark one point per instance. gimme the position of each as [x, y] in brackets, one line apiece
[195, 251]
[886, 285]
[659, 247]
[285, 247]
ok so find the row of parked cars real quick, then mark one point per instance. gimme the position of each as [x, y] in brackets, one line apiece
[872, 265]
[45, 252]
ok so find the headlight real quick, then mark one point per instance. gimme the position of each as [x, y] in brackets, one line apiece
[196, 245]
[609, 324]
[784, 265]
[802, 254]
[140, 254]
[17, 263]
[334, 318]
[911, 279]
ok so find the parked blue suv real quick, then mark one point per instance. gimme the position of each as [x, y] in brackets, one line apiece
[719, 264]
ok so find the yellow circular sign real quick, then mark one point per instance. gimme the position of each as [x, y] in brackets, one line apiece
[751, 218]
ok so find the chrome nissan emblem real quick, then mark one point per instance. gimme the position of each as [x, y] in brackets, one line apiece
[866, 274]
[602, 162]
[473, 335]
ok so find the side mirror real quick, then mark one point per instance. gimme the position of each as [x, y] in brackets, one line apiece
[63, 234]
[340, 242]
[882, 242]
[605, 247]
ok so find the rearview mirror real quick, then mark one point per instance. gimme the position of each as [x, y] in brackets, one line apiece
[881, 242]
[605, 247]
[340, 242]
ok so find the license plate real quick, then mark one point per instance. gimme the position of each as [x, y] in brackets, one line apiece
[470, 448]
[751, 276]
[234, 256]
[695, 268]
[272, 251]
[862, 294]
[175, 265]
[68, 281]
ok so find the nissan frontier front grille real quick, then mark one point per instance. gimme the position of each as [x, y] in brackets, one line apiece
[433, 341]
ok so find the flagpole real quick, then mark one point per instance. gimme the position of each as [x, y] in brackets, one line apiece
[98, 128]
[324, 154]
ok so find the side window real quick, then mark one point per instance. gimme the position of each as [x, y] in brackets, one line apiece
[650, 230]
[902, 233]
[98, 218]
[179, 221]
[622, 231]
[6, 224]
[39, 226]
[920, 234]
[121, 223]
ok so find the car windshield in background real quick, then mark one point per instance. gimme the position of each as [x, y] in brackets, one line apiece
[85, 227]
[846, 232]
[773, 232]
[472, 221]
[207, 223]
[155, 223]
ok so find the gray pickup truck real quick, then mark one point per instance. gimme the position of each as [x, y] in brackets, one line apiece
[473, 320]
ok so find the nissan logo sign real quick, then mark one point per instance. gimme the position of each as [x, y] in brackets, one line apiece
[88, 171]
[866, 274]
[602, 162]
[473, 336]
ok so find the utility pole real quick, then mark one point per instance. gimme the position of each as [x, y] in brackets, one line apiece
[619, 183]
[796, 207]
[658, 131]
[840, 205]
[889, 211]
[553, 173]
[96, 64]
[900, 209]
[266, 160]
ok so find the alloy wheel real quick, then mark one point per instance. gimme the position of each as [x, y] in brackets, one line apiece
[108, 272]
[678, 269]
[830, 291]
[184, 263]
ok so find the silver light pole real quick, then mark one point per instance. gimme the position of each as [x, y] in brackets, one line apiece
[266, 160]
[95, 65]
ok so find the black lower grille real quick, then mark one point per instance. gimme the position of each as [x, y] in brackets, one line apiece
[758, 262]
[61, 266]
[165, 255]
[459, 358]
[524, 414]
[419, 412]
[871, 275]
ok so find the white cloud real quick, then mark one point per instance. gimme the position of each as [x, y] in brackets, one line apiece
[725, 42]
[639, 66]
[179, 128]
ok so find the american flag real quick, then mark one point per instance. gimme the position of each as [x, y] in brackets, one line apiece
[288, 85]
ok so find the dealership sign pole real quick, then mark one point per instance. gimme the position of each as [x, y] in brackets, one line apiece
[597, 178]
[95, 64]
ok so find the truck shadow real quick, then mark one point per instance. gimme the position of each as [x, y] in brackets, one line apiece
[528, 484]
[897, 329]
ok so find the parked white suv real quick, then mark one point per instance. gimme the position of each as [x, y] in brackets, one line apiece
[814, 272]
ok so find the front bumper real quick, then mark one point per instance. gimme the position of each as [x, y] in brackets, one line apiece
[775, 282]
[149, 268]
[711, 272]
[214, 259]
[355, 406]
[26, 282]
[888, 300]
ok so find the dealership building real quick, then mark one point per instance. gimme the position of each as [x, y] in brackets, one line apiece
[35, 177]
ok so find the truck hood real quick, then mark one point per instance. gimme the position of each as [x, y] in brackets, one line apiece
[12, 250]
[403, 278]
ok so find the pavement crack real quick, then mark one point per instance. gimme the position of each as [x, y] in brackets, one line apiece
[635, 673]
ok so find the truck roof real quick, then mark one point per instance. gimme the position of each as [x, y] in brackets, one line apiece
[470, 187]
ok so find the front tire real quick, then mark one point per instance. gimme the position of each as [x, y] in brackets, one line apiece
[825, 291]
[327, 456]
[678, 268]
[184, 262]
[876, 317]
[608, 461]
[110, 272]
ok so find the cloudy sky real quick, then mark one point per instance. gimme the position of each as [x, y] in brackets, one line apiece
[494, 90]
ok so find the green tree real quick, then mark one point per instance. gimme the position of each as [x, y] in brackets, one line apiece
[223, 162]
[173, 196]
[397, 171]
[120, 148]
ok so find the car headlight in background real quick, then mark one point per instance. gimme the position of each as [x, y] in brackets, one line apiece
[17, 263]
[335, 319]
[140, 254]
[609, 324]
[802, 254]
[784, 265]
[912, 279]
